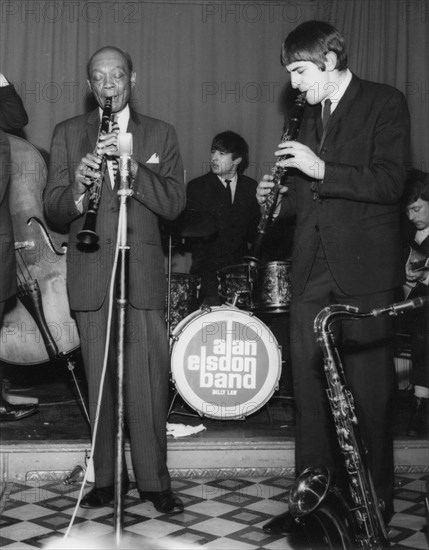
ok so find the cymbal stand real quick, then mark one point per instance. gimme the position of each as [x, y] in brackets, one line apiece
[170, 246]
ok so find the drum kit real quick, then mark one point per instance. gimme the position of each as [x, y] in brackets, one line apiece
[225, 361]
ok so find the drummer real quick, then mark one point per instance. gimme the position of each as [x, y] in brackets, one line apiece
[226, 196]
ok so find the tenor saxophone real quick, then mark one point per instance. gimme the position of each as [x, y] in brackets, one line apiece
[314, 501]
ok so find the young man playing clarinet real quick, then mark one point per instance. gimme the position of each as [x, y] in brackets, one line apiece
[349, 164]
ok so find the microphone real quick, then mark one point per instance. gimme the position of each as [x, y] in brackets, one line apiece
[399, 307]
[125, 149]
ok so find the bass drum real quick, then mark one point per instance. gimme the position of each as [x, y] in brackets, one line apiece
[225, 363]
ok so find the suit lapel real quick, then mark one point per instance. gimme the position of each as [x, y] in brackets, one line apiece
[343, 107]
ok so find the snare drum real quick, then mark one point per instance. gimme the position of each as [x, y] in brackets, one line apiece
[183, 296]
[237, 280]
[274, 288]
[225, 363]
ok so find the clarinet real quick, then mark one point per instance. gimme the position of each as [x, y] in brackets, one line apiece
[87, 236]
[277, 172]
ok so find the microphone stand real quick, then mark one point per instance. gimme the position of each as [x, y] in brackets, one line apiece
[122, 304]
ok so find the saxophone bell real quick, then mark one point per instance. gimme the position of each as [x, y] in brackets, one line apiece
[321, 510]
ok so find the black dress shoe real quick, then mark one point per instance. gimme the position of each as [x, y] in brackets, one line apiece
[284, 524]
[418, 423]
[15, 412]
[165, 502]
[98, 497]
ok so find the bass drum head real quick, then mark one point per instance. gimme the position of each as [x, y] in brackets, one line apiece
[225, 362]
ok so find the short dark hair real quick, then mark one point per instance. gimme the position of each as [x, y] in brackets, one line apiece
[311, 41]
[230, 142]
[125, 55]
[416, 187]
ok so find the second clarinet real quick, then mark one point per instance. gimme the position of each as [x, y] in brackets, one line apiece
[277, 172]
[87, 236]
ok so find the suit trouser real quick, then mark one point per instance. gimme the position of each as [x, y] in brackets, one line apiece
[146, 375]
[369, 371]
[419, 323]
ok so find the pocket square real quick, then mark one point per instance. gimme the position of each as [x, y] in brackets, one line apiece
[154, 159]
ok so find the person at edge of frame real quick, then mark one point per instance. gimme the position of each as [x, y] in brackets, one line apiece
[12, 117]
[416, 203]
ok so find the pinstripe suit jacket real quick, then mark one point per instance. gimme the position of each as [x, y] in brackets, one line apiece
[159, 191]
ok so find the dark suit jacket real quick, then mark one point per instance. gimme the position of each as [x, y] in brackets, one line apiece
[159, 190]
[12, 112]
[357, 215]
[7, 259]
[235, 224]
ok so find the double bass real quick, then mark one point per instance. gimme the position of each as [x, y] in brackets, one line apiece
[39, 326]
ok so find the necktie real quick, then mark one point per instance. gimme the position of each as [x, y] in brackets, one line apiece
[228, 190]
[326, 113]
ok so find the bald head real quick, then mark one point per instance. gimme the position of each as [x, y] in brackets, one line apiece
[106, 49]
[110, 74]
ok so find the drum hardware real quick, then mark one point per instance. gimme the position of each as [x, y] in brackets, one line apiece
[190, 226]
[171, 411]
[236, 285]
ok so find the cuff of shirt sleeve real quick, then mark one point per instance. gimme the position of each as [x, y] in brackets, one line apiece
[79, 203]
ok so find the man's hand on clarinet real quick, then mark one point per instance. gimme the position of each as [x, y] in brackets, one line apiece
[264, 189]
[89, 166]
[87, 170]
[302, 158]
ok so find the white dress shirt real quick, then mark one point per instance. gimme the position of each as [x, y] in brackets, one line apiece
[233, 184]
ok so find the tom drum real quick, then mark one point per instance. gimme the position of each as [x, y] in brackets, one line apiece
[183, 296]
[273, 292]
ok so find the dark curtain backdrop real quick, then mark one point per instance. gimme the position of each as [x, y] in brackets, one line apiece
[206, 66]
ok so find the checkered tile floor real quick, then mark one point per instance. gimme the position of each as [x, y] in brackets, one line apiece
[219, 514]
